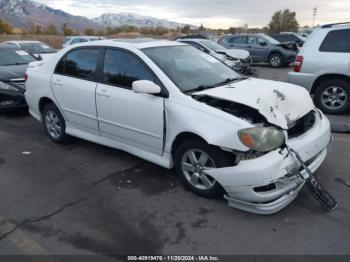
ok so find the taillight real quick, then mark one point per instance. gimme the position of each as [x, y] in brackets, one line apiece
[298, 63]
[25, 77]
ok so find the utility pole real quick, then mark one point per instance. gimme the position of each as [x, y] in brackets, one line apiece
[314, 15]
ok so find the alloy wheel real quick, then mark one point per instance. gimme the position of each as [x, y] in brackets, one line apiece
[53, 125]
[194, 164]
[275, 61]
[334, 97]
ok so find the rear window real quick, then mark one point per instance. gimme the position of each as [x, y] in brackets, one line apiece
[14, 57]
[337, 41]
[79, 63]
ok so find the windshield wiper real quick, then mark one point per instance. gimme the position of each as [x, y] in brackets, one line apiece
[199, 88]
[14, 64]
[204, 87]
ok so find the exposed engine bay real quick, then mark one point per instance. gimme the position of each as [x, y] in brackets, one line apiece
[239, 110]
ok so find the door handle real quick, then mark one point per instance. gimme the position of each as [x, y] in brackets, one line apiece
[103, 93]
[57, 82]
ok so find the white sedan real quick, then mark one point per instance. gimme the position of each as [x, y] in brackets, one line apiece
[176, 106]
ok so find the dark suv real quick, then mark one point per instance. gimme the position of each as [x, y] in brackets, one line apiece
[289, 37]
[262, 48]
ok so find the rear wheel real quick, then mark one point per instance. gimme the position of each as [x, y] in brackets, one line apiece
[276, 60]
[192, 159]
[332, 96]
[54, 124]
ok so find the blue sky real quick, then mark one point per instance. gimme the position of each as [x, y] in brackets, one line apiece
[214, 14]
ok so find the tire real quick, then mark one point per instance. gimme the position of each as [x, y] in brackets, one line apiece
[216, 158]
[276, 60]
[332, 96]
[54, 124]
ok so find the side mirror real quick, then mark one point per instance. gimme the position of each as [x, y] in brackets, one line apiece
[145, 87]
[262, 43]
[40, 58]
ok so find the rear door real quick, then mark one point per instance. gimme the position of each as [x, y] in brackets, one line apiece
[238, 42]
[258, 48]
[74, 86]
[130, 118]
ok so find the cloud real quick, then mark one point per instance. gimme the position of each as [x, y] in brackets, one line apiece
[212, 13]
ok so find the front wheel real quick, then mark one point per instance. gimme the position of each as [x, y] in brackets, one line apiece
[276, 60]
[192, 159]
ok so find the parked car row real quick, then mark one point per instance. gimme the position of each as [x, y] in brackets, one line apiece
[262, 48]
[239, 59]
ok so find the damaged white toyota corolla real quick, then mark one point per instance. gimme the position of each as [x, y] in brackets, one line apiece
[175, 106]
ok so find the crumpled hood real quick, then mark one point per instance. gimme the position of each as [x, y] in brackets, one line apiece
[280, 103]
[12, 72]
[235, 53]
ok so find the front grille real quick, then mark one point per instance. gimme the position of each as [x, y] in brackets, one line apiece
[248, 60]
[302, 125]
[19, 82]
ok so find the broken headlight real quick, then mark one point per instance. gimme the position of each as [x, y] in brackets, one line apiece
[5, 86]
[261, 139]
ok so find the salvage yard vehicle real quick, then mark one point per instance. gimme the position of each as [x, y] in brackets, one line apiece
[72, 40]
[39, 49]
[286, 37]
[13, 64]
[239, 60]
[175, 106]
[262, 48]
[323, 68]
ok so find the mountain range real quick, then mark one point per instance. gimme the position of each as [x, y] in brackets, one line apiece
[25, 13]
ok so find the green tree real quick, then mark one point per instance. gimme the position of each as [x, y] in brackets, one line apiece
[186, 29]
[89, 31]
[232, 30]
[50, 30]
[5, 28]
[201, 28]
[38, 30]
[67, 31]
[283, 20]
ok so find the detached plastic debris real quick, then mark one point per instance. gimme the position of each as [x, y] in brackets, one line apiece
[26, 153]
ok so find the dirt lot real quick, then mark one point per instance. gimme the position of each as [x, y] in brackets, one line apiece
[87, 199]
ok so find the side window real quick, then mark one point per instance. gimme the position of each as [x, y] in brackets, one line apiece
[75, 41]
[237, 40]
[122, 69]
[83, 40]
[80, 63]
[337, 41]
[252, 40]
[260, 40]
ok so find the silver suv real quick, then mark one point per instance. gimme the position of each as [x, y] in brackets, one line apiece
[323, 67]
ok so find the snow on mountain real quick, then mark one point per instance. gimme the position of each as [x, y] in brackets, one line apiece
[25, 13]
[120, 19]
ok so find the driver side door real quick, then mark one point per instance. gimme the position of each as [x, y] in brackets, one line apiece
[134, 119]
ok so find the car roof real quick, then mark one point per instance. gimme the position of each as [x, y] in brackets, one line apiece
[24, 41]
[83, 36]
[138, 43]
[7, 47]
[194, 39]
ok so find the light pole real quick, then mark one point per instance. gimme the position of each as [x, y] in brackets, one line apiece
[314, 15]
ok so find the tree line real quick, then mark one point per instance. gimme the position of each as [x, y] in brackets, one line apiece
[282, 20]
